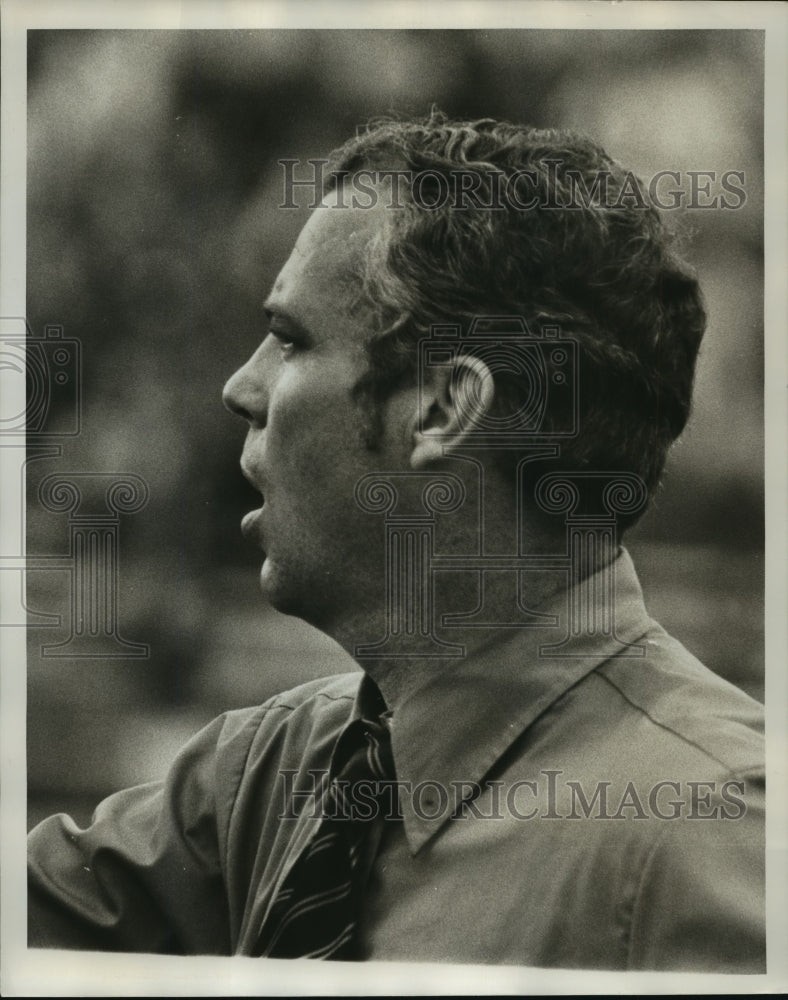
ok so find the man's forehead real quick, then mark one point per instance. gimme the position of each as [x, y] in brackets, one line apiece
[330, 247]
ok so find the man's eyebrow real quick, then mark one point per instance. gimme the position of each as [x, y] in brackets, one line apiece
[271, 310]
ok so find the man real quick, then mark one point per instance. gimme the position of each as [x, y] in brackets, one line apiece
[478, 355]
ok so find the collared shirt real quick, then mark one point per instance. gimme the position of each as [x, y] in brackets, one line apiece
[576, 797]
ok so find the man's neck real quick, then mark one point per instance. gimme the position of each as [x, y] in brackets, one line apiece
[398, 672]
[482, 608]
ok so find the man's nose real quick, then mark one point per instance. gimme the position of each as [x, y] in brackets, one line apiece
[245, 393]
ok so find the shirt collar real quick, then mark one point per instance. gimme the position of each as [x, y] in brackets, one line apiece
[454, 728]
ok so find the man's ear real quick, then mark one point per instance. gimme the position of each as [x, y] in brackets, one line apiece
[454, 403]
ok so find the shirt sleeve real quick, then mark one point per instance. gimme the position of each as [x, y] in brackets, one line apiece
[148, 873]
[700, 903]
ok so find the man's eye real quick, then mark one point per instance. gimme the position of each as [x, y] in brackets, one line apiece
[284, 339]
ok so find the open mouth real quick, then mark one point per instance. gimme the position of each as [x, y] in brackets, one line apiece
[250, 521]
[250, 526]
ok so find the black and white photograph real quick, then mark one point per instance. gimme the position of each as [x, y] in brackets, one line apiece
[394, 489]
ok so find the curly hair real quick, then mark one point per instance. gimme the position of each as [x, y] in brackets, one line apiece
[605, 270]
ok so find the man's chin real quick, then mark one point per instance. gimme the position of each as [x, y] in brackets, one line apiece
[267, 581]
[281, 597]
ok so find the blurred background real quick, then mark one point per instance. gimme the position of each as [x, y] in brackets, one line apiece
[154, 234]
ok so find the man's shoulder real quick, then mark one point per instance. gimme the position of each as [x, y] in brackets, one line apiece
[339, 687]
[333, 695]
[685, 708]
[323, 704]
[295, 728]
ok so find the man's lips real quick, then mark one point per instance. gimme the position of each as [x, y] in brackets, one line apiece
[251, 473]
[250, 527]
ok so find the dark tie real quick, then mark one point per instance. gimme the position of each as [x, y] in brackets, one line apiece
[315, 912]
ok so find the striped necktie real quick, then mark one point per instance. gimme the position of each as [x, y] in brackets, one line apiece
[315, 911]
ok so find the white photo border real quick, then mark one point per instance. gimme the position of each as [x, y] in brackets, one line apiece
[61, 973]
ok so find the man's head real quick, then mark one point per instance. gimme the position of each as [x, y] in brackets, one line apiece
[305, 449]
[332, 394]
[553, 231]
